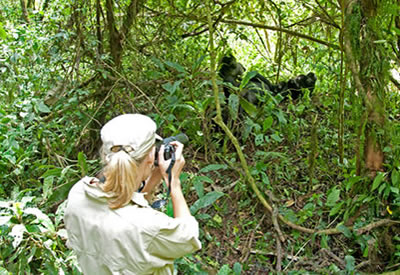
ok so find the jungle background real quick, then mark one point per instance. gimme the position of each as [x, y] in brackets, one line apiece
[294, 186]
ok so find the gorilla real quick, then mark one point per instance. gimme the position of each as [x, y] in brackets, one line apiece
[231, 72]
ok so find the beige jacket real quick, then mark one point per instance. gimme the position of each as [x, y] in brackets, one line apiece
[134, 239]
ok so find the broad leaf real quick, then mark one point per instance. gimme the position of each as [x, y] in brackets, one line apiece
[233, 106]
[249, 108]
[213, 167]
[17, 233]
[205, 201]
[247, 78]
[333, 197]
[176, 66]
[377, 181]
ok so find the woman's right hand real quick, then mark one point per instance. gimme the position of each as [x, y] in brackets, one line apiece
[178, 165]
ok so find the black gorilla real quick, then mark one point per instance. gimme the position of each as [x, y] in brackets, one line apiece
[231, 71]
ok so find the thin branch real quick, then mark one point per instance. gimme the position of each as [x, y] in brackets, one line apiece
[272, 28]
[339, 261]
[276, 224]
[333, 22]
[376, 224]
[278, 255]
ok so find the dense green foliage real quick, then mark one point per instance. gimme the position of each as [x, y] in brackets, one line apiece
[63, 74]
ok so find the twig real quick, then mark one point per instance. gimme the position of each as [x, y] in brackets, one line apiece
[392, 266]
[278, 255]
[270, 253]
[276, 225]
[295, 256]
[362, 264]
[250, 242]
[333, 256]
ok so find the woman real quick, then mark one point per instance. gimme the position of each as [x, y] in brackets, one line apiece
[110, 225]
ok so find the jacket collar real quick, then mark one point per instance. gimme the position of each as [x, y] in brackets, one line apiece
[93, 189]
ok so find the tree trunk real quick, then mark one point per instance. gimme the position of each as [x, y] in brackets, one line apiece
[24, 11]
[31, 4]
[368, 63]
[115, 38]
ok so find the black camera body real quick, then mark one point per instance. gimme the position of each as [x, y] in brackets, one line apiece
[168, 148]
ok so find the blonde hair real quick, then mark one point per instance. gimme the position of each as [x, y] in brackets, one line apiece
[121, 172]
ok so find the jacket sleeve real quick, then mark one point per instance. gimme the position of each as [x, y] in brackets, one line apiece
[175, 238]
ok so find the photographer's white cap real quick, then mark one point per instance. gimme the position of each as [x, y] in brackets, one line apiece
[133, 133]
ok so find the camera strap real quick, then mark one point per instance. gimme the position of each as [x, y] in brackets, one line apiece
[169, 171]
[160, 203]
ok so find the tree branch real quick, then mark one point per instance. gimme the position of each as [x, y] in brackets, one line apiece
[272, 28]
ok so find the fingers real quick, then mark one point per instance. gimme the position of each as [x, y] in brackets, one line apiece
[179, 159]
[178, 148]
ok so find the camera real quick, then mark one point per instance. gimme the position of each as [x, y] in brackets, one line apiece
[168, 148]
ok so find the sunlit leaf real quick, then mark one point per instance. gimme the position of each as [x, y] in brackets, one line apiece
[82, 163]
[17, 232]
[333, 196]
[247, 78]
[42, 218]
[377, 181]
[249, 108]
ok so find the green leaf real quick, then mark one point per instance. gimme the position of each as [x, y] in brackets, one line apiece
[276, 137]
[61, 192]
[199, 186]
[237, 268]
[259, 139]
[345, 230]
[43, 107]
[333, 197]
[4, 271]
[172, 87]
[176, 66]
[82, 163]
[205, 201]
[225, 270]
[213, 167]
[56, 172]
[350, 263]
[249, 108]
[377, 181]
[170, 209]
[158, 63]
[268, 123]
[336, 209]
[198, 62]
[395, 178]
[3, 34]
[247, 78]
[233, 106]
[47, 187]
[281, 117]
[42, 218]
[324, 241]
